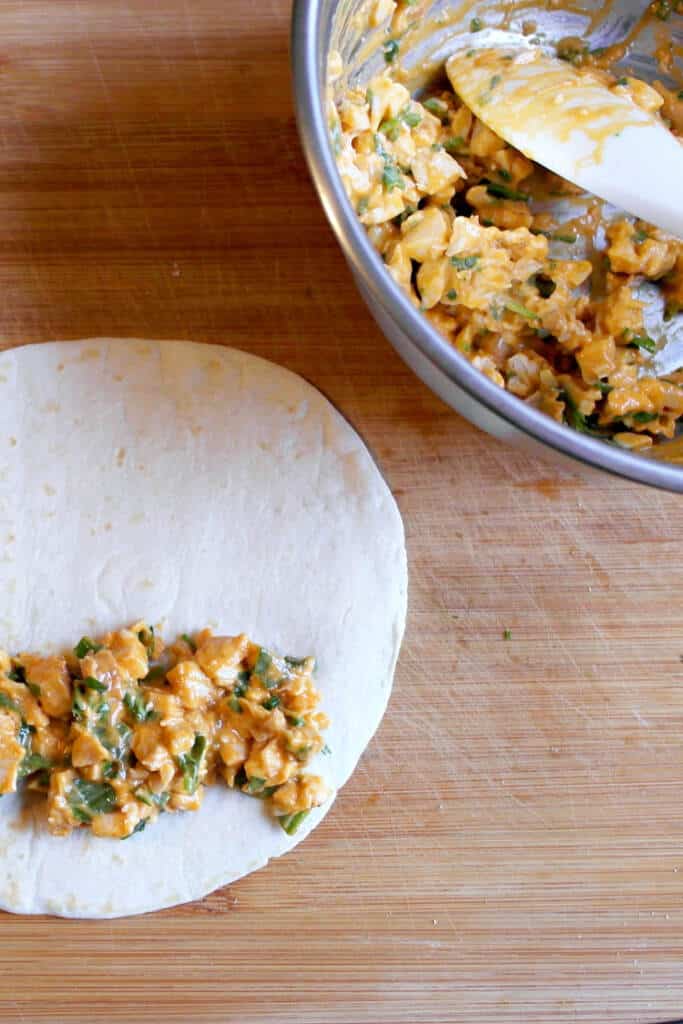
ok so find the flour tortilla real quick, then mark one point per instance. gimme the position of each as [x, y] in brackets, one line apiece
[190, 485]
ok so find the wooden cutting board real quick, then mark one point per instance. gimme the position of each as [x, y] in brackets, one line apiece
[511, 847]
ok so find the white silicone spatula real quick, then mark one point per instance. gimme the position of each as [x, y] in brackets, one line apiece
[574, 125]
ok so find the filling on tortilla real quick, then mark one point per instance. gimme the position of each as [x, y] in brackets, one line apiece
[123, 729]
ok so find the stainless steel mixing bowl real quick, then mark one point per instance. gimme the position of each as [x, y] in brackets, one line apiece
[319, 26]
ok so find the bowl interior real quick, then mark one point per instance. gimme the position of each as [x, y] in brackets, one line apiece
[429, 32]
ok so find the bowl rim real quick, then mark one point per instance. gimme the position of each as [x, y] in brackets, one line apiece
[309, 99]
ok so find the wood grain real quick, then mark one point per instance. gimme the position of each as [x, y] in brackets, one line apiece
[511, 848]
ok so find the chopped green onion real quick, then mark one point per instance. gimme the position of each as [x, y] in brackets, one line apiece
[517, 307]
[644, 417]
[298, 662]
[451, 295]
[643, 341]
[242, 684]
[156, 674]
[544, 285]
[410, 117]
[391, 50]
[464, 262]
[290, 822]
[8, 703]
[438, 108]
[146, 637]
[499, 191]
[17, 674]
[392, 177]
[93, 684]
[507, 634]
[296, 721]
[576, 419]
[391, 127]
[255, 784]
[88, 798]
[78, 704]
[140, 827]
[476, 25]
[86, 646]
[455, 144]
[141, 711]
[263, 662]
[33, 763]
[640, 236]
[146, 796]
[189, 641]
[270, 702]
[190, 763]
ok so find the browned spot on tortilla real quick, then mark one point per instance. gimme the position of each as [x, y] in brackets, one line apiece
[120, 456]
[89, 353]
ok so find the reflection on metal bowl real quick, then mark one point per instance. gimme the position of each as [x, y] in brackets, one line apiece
[322, 26]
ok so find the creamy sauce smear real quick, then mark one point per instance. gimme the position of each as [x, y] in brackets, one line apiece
[528, 88]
